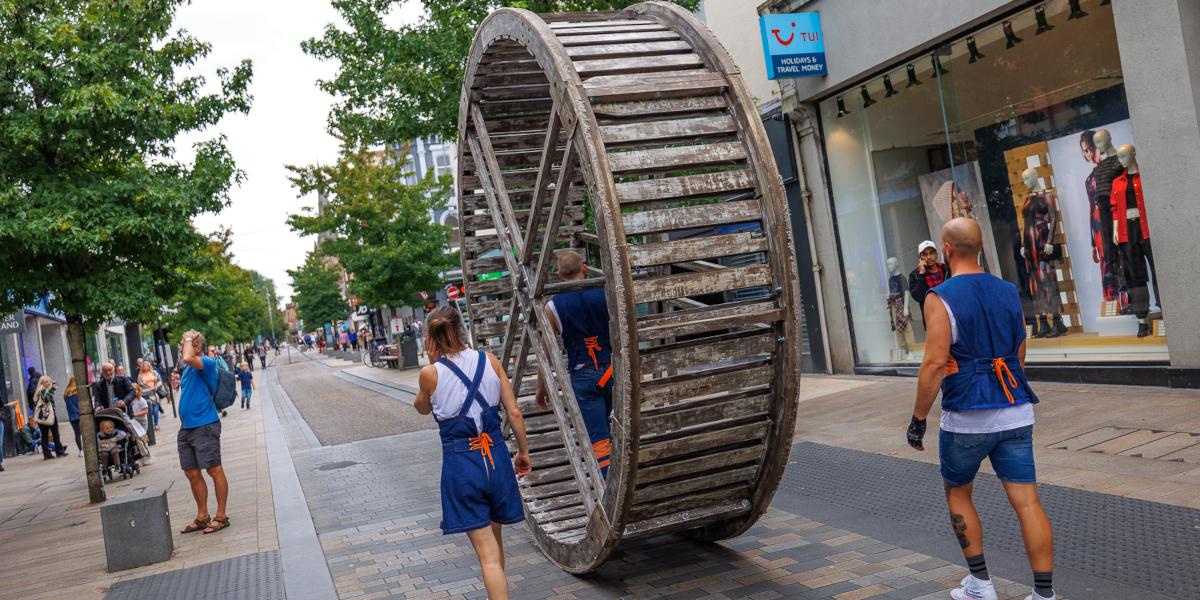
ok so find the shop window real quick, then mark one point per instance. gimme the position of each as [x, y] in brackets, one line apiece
[1019, 126]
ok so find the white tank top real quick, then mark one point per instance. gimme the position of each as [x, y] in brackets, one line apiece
[451, 392]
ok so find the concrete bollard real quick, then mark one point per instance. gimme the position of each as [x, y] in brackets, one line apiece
[137, 530]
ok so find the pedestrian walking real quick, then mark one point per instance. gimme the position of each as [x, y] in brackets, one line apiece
[581, 318]
[140, 407]
[418, 333]
[152, 391]
[199, 440]
[46, 418]
[31, 388]
[248, 356]
[262, 356]
[975, 353]
[247, 378]
[929, 272]
[111, 390]
[71, 399]
[479, 490]
[7, 416]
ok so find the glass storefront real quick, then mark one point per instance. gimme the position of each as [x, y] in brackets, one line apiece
[1022, 125]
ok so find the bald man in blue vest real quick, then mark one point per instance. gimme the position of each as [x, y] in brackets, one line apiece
[975, 354]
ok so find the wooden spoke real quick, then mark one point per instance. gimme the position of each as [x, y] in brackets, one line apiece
[628, 136]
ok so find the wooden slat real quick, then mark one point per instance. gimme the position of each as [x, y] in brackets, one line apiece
[559, 287]
[641, 512]
[685, 520]
[637, 64]
[698, 284]
[641, 108]
[677, 488]
[683, 129]
[548, 490]
[594, 29]
[659, 393]
[618, 38]
[690, 217]
[484, 221]
[706, 440]
[560, 26]
[555, 503]
[708, 462]
[661, 253]
[575, 523]
[489, 330]
[686, 187]
[549, 458]
[654, 86]
[482, 310]
[702, 412]
[561, 514]
[634, 49]
[694, 353]
[680, 157]
[489, 287]
[550, 475]
[762, 313]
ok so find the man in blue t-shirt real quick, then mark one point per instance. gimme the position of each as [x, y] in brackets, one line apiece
[199, 438]
[247, 378]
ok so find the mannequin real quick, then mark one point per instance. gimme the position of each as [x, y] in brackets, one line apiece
[897, 304]
[1104, 254]
[1131, 233]
[1040, 214]
[1105, 171]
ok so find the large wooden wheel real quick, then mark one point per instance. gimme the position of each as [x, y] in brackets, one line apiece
[630, 137]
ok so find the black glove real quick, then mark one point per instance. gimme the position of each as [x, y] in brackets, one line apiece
[916, 433]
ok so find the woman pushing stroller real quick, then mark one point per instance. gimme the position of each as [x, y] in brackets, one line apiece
[464, 389]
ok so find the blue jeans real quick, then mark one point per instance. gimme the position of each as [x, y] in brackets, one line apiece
[246, 397]
[1, 441]
[595, 404]
[1011, 453]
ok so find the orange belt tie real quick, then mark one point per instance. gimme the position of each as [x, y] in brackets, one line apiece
[1002, 370]
[483, 443]
[593, 345]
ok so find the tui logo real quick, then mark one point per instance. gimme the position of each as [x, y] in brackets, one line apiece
[807, 36]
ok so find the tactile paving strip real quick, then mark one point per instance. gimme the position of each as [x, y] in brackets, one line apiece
[1146, 545]
[250, 577]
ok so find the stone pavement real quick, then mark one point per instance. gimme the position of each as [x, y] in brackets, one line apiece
[1088, 437]
[52, 538]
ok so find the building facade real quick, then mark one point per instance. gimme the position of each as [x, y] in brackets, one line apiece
[1065, 127]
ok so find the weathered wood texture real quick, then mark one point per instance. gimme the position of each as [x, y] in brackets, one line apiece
[629, 136]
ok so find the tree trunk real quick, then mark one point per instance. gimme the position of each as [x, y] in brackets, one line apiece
[87, 420]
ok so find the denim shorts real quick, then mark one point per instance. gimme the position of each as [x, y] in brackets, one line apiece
[1011, 453]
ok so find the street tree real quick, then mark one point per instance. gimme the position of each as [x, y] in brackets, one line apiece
[271, 320]
[379, 228]
[401, 84]
[316, 291]
[219, 299]
[95, 212]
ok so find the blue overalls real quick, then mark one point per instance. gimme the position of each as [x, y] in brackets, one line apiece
[584, 324]
[477, 490]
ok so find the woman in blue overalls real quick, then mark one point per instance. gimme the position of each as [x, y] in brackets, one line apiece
[464, 388]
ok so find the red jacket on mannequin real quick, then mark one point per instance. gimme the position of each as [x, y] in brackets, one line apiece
[1120, 190]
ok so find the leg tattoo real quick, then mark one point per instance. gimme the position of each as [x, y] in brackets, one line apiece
[960, 530]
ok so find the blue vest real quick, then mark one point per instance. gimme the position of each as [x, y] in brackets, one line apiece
[984, 370]
[583, 317]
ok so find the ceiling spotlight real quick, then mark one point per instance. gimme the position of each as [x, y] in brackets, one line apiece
[938, 69]
[974, 50]
[867, 100]
[1010, 35]
[887, 87]
[841, 104]
[912, 76]
[1076, 11]
[1043, 24]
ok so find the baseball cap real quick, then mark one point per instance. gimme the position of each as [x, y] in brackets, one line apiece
[925, 244]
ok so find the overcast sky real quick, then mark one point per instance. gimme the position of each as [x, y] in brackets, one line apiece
[286, 124]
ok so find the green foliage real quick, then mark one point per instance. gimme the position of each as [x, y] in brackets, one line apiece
[316, 294]
[92, 207]
[379, 227]
[271, 322]
[402, 84]
[220, 299]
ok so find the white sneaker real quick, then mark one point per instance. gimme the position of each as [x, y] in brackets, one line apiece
[974, 589]
[1035, 596]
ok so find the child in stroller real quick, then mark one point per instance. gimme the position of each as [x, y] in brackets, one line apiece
[120, 448]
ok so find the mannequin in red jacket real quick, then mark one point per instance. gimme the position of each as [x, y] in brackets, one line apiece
[1131, 232]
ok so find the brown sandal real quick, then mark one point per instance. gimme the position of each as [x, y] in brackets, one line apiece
[196, 525]
[218, 523]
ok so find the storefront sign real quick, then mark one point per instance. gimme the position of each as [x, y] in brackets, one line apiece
[793, 45]
[397, 325]
[13, 323]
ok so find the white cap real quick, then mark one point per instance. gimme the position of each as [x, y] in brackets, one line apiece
[925, 244]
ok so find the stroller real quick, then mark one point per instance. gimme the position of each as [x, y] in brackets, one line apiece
[132, 448]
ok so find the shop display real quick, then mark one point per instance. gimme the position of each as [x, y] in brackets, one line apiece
[1042, 255]
[957, 192]
[897, 306]
[1131, 233]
